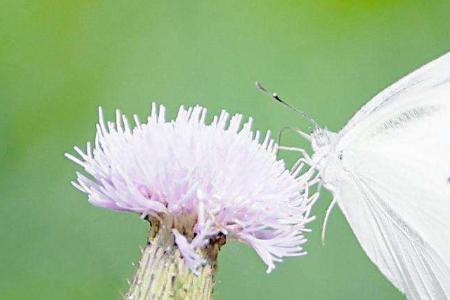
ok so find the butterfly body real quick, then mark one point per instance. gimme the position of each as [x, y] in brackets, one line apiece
[326, 159]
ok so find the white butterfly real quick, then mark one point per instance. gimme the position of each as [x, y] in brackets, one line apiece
[389, 171]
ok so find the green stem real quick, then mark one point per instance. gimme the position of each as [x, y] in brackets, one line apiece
[163, 274]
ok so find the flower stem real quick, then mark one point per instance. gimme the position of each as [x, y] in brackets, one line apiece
[162, 272]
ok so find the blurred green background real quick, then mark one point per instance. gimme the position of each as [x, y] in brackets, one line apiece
[60, 60]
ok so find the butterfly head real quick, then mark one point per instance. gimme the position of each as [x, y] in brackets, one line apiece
[322, 143]
[322, 138]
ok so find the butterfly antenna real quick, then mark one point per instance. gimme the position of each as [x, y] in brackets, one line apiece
[277, 98]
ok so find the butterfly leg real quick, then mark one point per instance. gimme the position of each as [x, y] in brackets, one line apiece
[296, 130]
[325, 221]
[310, 177]
[311, 200]
[303, 135]
[305, 154]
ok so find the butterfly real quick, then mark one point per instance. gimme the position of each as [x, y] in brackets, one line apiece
[388, 170]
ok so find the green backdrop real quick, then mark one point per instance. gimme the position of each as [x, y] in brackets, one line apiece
[60, 60]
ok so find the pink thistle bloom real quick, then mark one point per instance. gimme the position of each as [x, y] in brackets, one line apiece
[209, 179]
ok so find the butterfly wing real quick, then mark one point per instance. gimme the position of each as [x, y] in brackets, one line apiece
[400, 253]
[396, 195]
[424, 79]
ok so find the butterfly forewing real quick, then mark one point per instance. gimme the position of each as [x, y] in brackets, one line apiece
[393, 100]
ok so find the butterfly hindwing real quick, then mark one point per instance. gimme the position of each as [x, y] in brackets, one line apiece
[407, 260]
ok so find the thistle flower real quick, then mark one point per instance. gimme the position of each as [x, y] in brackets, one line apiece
[198, 184]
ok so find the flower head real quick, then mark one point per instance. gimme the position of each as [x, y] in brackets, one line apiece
[199, 180]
